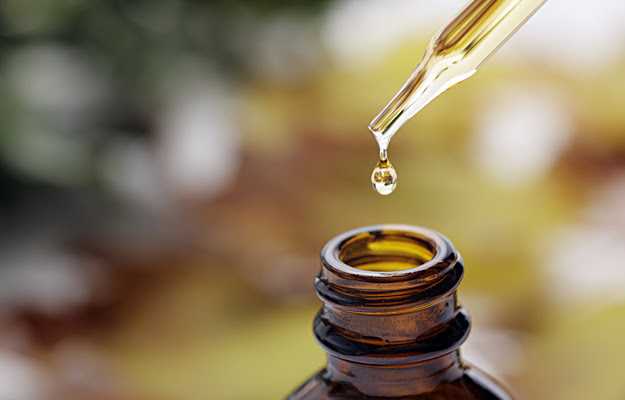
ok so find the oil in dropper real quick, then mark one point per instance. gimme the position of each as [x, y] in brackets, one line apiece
[384, 177]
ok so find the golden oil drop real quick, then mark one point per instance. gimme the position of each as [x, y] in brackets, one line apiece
[384, 177]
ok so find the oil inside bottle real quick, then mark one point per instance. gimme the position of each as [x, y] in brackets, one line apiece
[387, 251]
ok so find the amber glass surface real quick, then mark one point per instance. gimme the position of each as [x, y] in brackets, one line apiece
[390, 323]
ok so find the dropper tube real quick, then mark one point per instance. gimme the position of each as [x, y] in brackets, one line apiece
[455, 53]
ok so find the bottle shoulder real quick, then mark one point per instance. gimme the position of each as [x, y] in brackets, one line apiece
[312, 389]
[484, 386]
[471, 385]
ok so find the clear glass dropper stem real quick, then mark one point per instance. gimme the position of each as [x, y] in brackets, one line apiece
[455, 53]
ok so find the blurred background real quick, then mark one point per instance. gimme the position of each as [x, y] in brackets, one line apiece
[170, 170]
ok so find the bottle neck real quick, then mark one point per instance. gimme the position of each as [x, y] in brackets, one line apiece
[382, 317]
[395, 381]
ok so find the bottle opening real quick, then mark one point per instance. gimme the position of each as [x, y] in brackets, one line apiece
[381, 251]
[388, 265]
[386, 251]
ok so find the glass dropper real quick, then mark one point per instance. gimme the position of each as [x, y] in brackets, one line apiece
[455, 53]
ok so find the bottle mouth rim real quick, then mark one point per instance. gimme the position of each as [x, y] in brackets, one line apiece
[434, 245]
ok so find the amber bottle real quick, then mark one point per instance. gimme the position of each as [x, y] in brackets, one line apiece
[390, 323]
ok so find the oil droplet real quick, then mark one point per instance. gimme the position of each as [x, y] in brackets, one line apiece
[384, 177]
